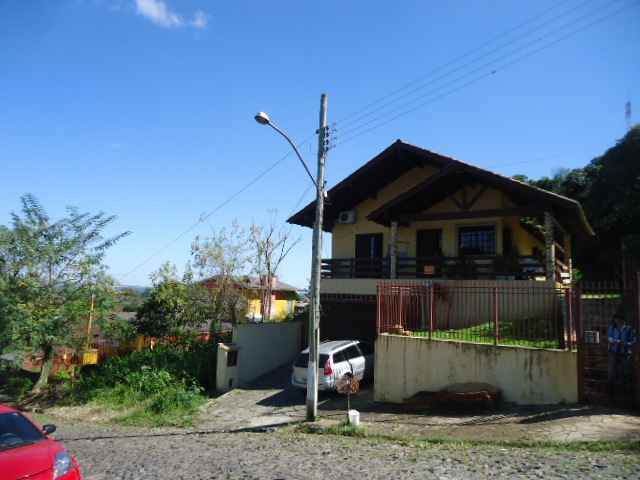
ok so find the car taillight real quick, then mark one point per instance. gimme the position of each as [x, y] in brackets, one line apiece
[328, 368]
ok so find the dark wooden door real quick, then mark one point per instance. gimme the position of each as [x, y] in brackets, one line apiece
[368, 261]
[428, 251]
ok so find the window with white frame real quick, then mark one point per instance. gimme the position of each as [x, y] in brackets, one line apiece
[477, 240]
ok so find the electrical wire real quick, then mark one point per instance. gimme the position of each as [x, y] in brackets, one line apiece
[478, 78]
[372, 107]
[349, 131]
[204, 217]
[297, 205]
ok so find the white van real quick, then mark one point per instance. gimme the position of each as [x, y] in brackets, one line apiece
[335, 358]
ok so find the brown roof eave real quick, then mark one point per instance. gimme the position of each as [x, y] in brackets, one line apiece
[382, 214]
[562, 206]
[306, 216]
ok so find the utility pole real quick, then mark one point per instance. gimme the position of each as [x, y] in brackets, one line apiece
[314, 311]
[90, 322]
[316, 256]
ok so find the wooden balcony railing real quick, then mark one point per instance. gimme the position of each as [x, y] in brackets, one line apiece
[356, 268]
[462, 268]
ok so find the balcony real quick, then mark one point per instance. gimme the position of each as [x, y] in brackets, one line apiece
[494, 267]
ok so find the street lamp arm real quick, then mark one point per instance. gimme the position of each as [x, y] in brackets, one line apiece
[313, 329]
[295, 149]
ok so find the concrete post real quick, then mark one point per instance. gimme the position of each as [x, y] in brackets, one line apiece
[568, 254]
[316, 262]
[393, 253]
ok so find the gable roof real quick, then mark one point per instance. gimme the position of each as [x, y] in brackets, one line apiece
[389, 165]
[255, 283]
[401, 157]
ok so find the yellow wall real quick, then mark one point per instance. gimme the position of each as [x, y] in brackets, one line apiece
[281, 309]
[343, 236]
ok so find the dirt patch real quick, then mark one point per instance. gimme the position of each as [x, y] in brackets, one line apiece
[88, 413]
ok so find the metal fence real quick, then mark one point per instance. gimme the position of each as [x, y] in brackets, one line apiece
[596, 303]
[537, 316]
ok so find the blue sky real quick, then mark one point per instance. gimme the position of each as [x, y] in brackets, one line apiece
[144, 108]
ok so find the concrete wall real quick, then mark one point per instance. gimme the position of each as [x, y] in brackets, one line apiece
[263, 347]
[368, 286]
[407, 365]
[226, 375]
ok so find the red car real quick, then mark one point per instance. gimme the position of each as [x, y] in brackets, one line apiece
[27, 452]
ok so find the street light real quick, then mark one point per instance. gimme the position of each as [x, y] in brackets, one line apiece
[264, 119]
[314, 312]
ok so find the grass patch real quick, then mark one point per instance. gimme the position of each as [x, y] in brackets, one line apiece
[163, 401]
[601, 296]
[511, 334]
[150, 388]
[577, 446]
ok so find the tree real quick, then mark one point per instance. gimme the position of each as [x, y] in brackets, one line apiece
[609, 190]
[613, 197]
[117, 329]
[164, 312]
[5, 303]
[218, 266]
[271, 245]
[131, 299]
[48, 272]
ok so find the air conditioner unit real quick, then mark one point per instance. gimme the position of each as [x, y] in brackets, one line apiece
[348, 216]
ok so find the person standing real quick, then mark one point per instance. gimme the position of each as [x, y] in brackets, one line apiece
[622, 339]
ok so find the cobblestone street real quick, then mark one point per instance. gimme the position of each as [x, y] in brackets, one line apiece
[219, 446]
[271, 401]
[119, 454]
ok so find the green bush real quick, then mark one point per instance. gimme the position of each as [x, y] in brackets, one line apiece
[194, 366]
[160, 387]
[150, 382]
[175, 398]
[19, 386]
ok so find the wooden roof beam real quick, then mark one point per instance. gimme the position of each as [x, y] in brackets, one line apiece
[497, 212]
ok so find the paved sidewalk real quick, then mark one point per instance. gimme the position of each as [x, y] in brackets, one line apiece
[273, 402]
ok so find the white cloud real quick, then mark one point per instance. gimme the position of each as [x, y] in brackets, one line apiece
[200, 19]
[162, 15]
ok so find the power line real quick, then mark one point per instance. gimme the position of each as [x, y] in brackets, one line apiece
[468, 73]
[297, 205]
[204, 217]
[478, 78]
[372, 107]
[295, 208]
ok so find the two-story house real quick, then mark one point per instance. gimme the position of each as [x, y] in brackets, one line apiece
[410, 213]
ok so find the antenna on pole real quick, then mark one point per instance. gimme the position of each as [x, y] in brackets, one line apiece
[627, 114]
